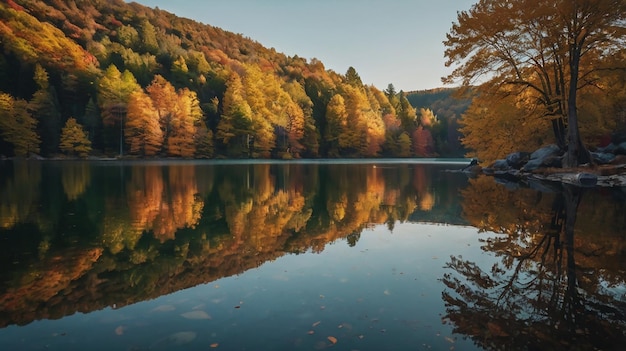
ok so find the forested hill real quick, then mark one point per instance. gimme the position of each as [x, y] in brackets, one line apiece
[106, 77]
[448, 107]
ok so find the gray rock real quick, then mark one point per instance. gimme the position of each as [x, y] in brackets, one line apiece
[517, 159]
[602, 158]
[547, 156]
[609, 149]
[500, 165]
[621, 149]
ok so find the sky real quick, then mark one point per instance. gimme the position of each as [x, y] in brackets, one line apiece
[386, 41]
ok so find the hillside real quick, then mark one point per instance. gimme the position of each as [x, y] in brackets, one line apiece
[448, 108]
[83, 78]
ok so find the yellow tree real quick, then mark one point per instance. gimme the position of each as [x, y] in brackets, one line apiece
[114, 89]
[495, 125]
[17, 126]
[164, 99]
[553, 48]
[74, 140]
[142, 131]
[183, 125]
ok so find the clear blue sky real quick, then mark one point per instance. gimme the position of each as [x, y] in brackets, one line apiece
[386, 41]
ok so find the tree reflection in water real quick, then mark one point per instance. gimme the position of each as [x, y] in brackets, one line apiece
[554, 286]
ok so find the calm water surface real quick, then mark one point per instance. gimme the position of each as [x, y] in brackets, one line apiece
[304, 256]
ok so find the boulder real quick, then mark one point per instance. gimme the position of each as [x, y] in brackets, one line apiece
[602, 158]
[517, 159]
[547, 156]
[500, 165]
[620, 149]
[609, 149]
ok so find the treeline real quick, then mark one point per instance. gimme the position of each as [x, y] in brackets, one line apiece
[447, 106]
[111, 78]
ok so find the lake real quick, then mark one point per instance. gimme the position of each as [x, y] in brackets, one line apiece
[348, 255]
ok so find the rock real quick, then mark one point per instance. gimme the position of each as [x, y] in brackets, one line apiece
[517, 159]
[547, 156]
[500, 165]
[620, 149]
[602, 158]
[609, 149]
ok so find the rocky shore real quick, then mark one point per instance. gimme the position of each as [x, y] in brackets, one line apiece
[608, 168]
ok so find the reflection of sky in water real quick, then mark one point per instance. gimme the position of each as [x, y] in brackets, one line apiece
[384, 292]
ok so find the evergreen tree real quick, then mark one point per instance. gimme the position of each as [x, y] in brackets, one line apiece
[44, 106]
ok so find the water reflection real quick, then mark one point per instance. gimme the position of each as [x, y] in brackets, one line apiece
[79, 237]
[560, 282]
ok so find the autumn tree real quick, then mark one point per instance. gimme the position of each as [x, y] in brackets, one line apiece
[114, 90]
[164, 99]
[17, 127]
[142, 130]
[491, 127]
[552, 48]
[74, 140]
[183, 125]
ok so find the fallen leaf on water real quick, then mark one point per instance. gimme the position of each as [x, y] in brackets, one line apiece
[316, 324]
[214, 345]
[196, 315]
[332, 339]
[119, 330]
[310, 332]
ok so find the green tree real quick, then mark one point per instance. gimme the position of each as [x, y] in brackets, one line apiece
[406, 114]
[17, 127]
[553, 48]
[353, 78]
[74, 140]
[45, 107]
[235, 125]
[337, 119]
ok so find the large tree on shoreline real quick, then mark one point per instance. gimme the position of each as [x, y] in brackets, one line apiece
[553, 48]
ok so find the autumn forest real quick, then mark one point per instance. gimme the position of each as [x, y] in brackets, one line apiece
[110, 78]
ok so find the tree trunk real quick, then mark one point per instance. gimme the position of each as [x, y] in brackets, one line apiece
[577, 154]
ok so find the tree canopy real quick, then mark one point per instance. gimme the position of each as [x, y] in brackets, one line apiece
[122, 70]
[550, 50]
